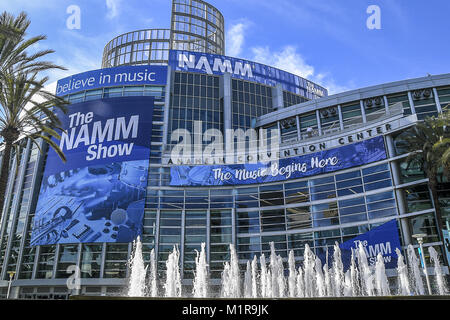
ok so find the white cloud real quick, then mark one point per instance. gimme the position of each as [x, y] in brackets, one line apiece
[290, 60]
[77, 62]
[326, 80]
[113, 8]
[235, 39]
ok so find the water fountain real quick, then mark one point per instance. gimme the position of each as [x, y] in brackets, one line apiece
[381, 279]
[263, 277]
[137, 286]
[248, 281]
[309, 278]
[440, 280]
[414, 262]
[402, 271]
[255, 277]
[153, 284]
[338, 271]
[173, 277]
[200, 283]
[367, 285]
[292, 275]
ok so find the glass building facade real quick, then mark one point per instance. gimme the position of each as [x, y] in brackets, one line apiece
[317, 210]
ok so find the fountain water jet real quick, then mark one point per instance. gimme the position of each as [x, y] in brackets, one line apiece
[153, 282]
[354, 276]
[367, 286]
[248, 281]
[292, 275]
[231, 280]
[255, 277]
[300, 284]
[402, 272]
[200, 284]
[137, 284]
[381, 280]
[338, 271]
[263, 277]
[414, 263]
[440, 280]
[173, 277]
[320, 281]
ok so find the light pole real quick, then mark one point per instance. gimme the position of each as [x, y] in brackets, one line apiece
[419, 238]
[11, 276]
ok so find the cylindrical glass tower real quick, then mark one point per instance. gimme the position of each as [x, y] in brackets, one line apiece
[195, 26]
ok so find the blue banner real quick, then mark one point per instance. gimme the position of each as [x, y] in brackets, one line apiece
[243, 69]
[112, 77]
[345, 157]
[98, 195]
[383, 239]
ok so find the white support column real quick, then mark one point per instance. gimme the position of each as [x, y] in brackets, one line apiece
[158, 221]
[80, 248]
[436, 99]
[181, 249]
[15, 206]
[36, 262]
[279, 132]
[299, 134]
[363, 111]
[319, 125]
[169, 84]
[102, 265]
[208, 236]
[226, 93]
[34, 193]
[233, 227]
[386, 105]
[341, 118]
[55, 262]
[399, 194]
[411, 103]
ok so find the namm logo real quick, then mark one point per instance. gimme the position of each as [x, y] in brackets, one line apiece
[219, 65]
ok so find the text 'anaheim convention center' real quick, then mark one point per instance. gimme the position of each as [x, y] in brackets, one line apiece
[341, 171]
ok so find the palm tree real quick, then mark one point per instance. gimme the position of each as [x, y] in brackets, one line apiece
[26, 108]
[427, 143]
[442, 147]
[13, 46]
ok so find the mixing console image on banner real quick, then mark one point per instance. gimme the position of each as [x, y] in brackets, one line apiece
[344, 157]
[98, 195]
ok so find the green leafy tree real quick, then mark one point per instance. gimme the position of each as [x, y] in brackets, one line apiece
[428, 144]
[26, 108]
[442, 147]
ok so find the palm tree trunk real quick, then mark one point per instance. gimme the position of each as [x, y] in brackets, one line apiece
[4, 174]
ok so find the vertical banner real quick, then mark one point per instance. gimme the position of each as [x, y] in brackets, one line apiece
[383, 239]
[98, 195]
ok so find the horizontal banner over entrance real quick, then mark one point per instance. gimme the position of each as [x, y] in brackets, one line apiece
[345, 157]
[208, 63]
[112, 77]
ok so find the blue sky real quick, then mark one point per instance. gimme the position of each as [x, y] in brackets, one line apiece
[326, 41]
